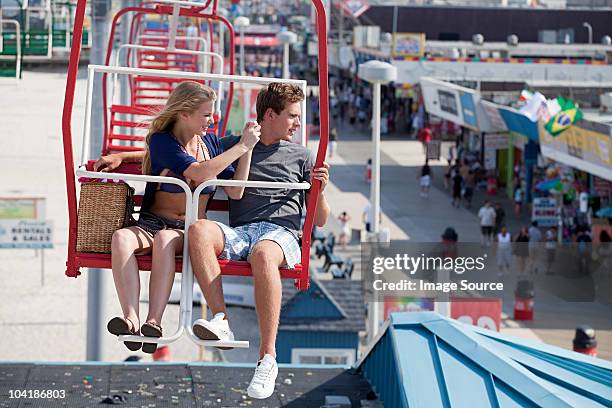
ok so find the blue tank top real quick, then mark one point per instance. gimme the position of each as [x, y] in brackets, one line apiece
[167, 153]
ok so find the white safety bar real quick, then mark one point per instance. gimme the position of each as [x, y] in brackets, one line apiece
[17, 42]
[195, 207]
[184, 318]
[1, 36]
[176, 51]
[92, 69]
[186, 301]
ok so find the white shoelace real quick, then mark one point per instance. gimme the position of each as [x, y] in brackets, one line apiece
[262, 373]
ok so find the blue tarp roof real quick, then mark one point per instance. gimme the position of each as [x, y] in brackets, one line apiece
[440, 362]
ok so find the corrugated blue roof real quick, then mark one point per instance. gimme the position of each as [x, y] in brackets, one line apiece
[440, 362]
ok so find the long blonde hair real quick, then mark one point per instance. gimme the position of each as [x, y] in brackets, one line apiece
[187, 97]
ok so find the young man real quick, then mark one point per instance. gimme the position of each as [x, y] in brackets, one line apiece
[263, 229]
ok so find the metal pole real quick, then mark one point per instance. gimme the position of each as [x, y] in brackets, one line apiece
[242, 71]
[286, 60]
[395, 11]
[374, 312]
[590, 28]
[95, 277]
[375, 186]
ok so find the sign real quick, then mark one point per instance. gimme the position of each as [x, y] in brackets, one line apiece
[433, 150]
[26, 234]
[468, 108]
[408, 45]
[448, 102]
[496, 141]
[490, 159]
[485, 313]
[490, 119]
[602, 187]
[16, 208]
[586, 146]
[397, 304]
[544, 211]
[452, 102]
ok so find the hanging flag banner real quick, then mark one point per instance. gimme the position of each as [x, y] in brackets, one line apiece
[354, 8]
[568, 115]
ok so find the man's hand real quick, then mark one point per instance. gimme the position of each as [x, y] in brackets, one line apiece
[321, 174]
[108, 163]
[251, 134]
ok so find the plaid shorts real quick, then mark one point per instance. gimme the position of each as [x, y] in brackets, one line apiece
[240, 241]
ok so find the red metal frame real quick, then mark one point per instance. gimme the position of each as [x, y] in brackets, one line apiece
[77, 260]
[166, 11]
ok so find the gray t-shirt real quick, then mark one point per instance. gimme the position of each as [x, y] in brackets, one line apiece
[281, 162]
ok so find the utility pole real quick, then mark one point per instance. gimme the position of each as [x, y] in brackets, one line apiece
[95, 277]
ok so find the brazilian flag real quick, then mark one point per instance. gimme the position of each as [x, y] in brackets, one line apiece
[568, 115]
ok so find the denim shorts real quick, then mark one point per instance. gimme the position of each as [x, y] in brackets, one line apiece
[153, 223]
[240, 241]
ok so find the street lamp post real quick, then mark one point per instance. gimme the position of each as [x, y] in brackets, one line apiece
[241, 22]
[590, 28]
[286, 38]
[377, 73]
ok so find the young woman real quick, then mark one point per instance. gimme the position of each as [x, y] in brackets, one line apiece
[177, 145]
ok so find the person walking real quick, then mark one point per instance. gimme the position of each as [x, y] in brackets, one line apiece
[425, 179]
[457, 181]
[486, 214]
[583, 239]
[345, 229]
[500, 217]
[504, 250]
[333, 144]
[551, 248]
[518, 201]
[468, 189]
[535, 237]
[521, 249]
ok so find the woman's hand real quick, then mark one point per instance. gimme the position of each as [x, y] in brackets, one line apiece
[250, 134]
[108, 163]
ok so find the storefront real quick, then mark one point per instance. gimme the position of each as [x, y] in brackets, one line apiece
[583, 155]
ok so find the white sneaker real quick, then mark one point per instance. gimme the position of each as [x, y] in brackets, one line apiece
[215, 329]
[262, 384]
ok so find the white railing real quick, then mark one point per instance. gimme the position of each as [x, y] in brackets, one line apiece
[92, 69]
[213, 55]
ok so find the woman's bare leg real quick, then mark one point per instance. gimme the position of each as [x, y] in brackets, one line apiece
[125, 243]
[166, 245]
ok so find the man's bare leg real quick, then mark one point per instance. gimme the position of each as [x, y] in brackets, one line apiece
[205, 244]
[265, 260]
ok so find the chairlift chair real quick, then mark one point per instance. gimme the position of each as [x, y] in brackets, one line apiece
[76, 260]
